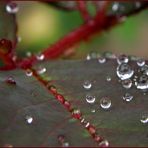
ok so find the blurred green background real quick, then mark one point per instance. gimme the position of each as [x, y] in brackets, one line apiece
[40, 25]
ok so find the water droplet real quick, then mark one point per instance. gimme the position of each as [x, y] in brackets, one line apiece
[93, 110]
[76, 113]
[124, 71]
[90, 99]
[29, 119]
[127, 83]
[87, 124]
[12, 8]
[87, 84]
[105, 103]
[40, 57]
[10, 80]
[108, 78]
[127, 97]
[41, 70]
[144, 69]
[102, 60]
[104, 143]
[29, 73]
[115, 6]
[144, 119]
[140, 62]
[122, 59]
[142, 82]
[65, 144]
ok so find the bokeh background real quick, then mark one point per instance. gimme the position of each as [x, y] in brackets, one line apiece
[40, 25]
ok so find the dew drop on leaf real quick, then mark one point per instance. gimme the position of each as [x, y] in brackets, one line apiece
[140, 62]
[105, 103]
[10, 80]
[101, 60]
[40, 57]
[144, 119]
[124, 71]
[12, 7]
[90, 99]
[122, 59]
[104, 143]
[87, 84]
[127, 97]
[41, 70]
[29, 73]
[29, 119]
[142, 82]
[127, 83]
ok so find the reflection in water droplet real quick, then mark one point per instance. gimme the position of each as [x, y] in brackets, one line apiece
[12, 8]
[29, 119]
[108, 78]
[10, 80]
[105, 103]
[127, 97]
[104, 143]
[90, 99]
[140, 62]
[127, 83]
[142, 82]
[102, 60]
[87, 84]
[144, 119]
[122, 59]
[40, 57]
[124, 71]
[41, 70]
[29, 73]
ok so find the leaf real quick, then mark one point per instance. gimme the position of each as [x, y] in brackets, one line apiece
[8, 26]
[120, 125]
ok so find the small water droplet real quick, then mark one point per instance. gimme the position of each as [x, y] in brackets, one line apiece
[127, 97]
[87, 124]
[12, 8]
[140, 62]
[41, 70]
[144, 69]
[122, 59]
[90, 99]
[142, 82]
[104, 143]
[10, 80]
[108, 78]
[76, 113]
[29, 73]
[40, 57]
[93, 110]
[102, 60]
[105, 103]
[87, 84]
[144, 119]
[124, 71]
[127, 83]
[29, 119]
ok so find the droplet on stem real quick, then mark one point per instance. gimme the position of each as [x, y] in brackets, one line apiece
[140, 62]
[76, 113]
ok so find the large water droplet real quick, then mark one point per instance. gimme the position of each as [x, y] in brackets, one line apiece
[104, 143]
[142, 82]
[41, 70]
[10, 80]
[105, 103]
[127, 83]
[124, 71]
[40, 57]
[29, 119]
[87, 84]
[12, 8]
[144, 119]
[90, 99]
[122, 59]
[29, 73]
[76, 113]
[127, 97]
[101, 60]
[140, 62]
